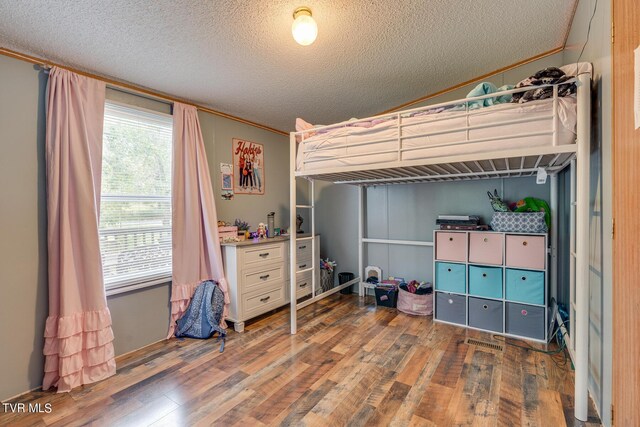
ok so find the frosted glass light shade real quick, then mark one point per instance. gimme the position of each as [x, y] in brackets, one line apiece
[304, 28]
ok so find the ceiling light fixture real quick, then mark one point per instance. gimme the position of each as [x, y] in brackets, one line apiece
[304, 28]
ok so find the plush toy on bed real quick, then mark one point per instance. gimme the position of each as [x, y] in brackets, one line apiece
[529, 204]
[496, 202]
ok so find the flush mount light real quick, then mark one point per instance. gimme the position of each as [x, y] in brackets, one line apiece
[304, 28]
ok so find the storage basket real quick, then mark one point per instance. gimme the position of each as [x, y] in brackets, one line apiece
[326, 280]
[519, 222]
[420, 305]
[386, 296]
[227, 232]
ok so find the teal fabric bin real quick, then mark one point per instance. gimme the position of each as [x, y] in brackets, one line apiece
[525, 286]
[485, 281]
[451, 277]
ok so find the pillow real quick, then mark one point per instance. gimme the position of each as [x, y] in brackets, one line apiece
[582, 68]
[301, 125]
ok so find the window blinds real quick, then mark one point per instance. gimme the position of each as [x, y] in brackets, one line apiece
[135, 206]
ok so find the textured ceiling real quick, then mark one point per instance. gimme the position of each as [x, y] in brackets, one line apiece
[239, 56]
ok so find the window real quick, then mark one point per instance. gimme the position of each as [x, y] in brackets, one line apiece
[135, 206]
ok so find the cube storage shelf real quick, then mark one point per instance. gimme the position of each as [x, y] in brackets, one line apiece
[492, 281]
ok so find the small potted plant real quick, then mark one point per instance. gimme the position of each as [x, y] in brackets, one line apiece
[243, 228]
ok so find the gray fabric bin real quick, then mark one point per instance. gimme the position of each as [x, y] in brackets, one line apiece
[485, 314]
[525, 320]
[451, 308]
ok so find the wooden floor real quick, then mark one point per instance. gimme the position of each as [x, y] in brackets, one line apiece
[350, 364]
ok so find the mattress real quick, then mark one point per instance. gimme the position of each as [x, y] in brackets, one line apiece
[497, 128]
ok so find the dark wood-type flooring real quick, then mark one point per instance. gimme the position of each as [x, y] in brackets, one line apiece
[350, 364]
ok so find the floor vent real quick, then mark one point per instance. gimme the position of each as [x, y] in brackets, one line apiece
[484, 344]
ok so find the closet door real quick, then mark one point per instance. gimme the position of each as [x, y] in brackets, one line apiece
[626, 204]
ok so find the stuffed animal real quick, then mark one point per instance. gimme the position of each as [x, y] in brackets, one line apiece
[496, 202]
[529, 204]
[262, 231]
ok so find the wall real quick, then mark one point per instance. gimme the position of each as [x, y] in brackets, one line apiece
[139, 317]
[218, 133]
[23, 218]
[598, 52]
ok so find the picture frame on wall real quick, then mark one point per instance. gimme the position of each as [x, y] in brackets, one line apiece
[226, 176]
[248, 165]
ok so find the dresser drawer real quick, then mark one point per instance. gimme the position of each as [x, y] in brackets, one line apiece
[451, 277]
[303, 285]
[525, 320]
[303, 250]
[451, 308]
[261, 302]
[255, 279]
[485, 281]
[485, 314]
[263, 255]
[485, 248]
[451, 246]
[304, 264]
[525, 251]
[525, 286]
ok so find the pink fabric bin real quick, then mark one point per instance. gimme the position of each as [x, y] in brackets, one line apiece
[420, 305]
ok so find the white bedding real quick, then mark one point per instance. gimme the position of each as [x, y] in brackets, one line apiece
[343, 146]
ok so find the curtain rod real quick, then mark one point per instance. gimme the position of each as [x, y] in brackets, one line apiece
[45, 64]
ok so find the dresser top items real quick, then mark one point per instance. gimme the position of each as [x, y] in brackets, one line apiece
[252, 242]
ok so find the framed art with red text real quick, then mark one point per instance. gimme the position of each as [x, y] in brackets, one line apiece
[248, 164]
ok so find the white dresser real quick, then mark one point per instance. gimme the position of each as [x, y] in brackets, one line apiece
[258, 275]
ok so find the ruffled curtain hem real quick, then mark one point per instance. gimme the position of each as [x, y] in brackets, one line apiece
[78, 349]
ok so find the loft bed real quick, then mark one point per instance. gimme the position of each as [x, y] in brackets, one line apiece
[461, 140]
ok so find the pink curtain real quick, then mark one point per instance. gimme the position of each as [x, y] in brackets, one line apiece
[196, 246]
[78, 344]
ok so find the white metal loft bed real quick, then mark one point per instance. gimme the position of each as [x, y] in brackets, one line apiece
[398, 154]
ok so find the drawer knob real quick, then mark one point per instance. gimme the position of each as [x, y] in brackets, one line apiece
[524, 277]
[303, 285]
[303, 265]
[485, 240]
[302, 247]
[524, 312]
[450, 301]
[265, 299]
[265, 277]
[485, 306]
[484, 274]
[451, 239]
[448, 269]
[524, 243]
[263, 255]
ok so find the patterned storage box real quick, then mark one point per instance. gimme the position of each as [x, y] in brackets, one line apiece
[519, 222]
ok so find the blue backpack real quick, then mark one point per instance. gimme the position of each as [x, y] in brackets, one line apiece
[204, 314]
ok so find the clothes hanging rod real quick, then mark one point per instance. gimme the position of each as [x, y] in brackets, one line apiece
[46, 65]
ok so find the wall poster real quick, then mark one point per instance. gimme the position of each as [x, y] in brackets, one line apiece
[248, 164]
